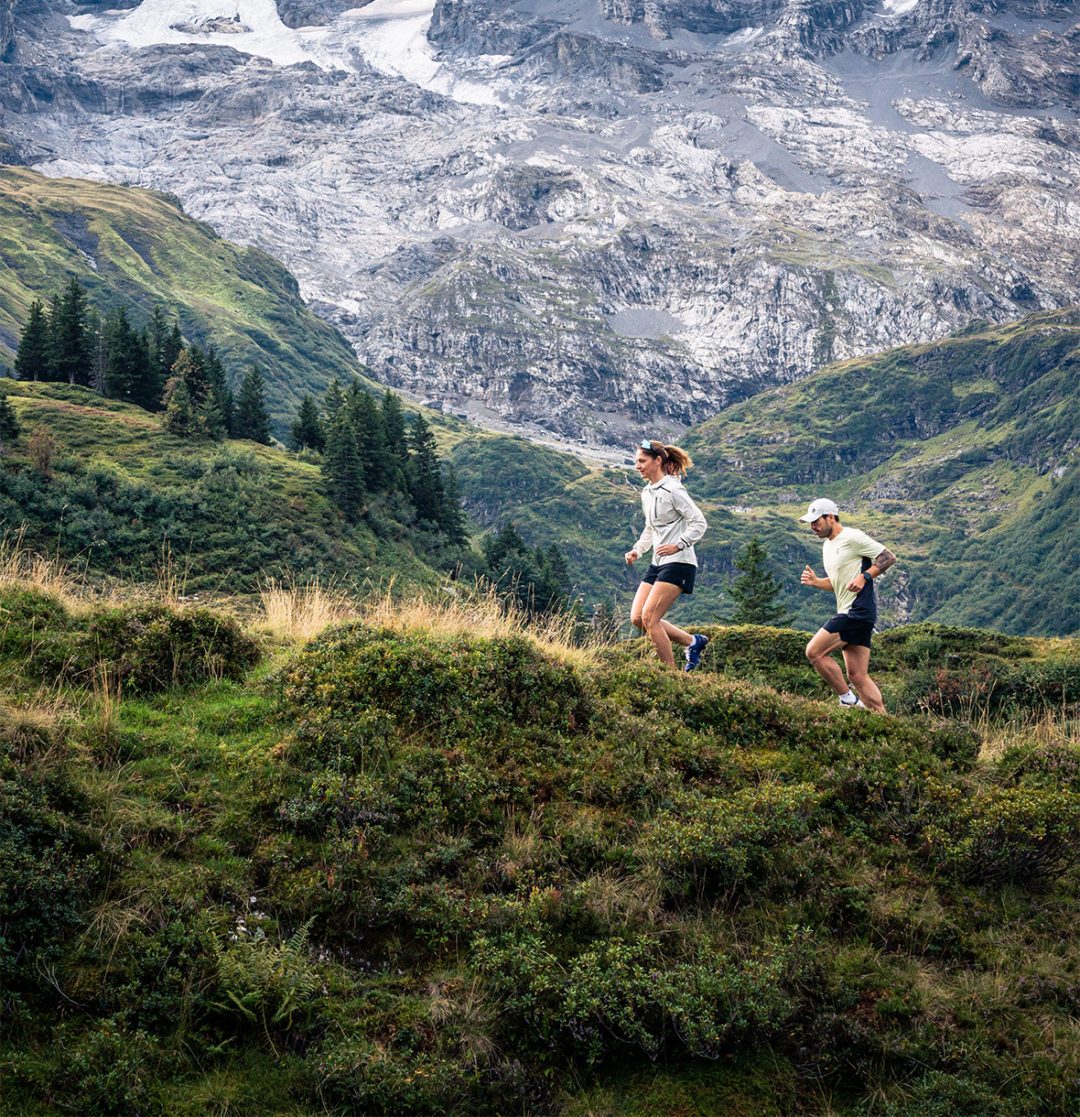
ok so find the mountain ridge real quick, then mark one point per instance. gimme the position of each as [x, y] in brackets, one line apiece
[527, 238]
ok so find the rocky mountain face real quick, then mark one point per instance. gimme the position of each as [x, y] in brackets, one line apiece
[590, 217]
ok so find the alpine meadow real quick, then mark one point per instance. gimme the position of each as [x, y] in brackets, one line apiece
[386, 389]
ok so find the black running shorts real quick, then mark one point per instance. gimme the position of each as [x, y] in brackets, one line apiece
[851, 630]
[681, 574]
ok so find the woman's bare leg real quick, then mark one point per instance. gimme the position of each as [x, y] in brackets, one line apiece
[659, 601]
[675, 634]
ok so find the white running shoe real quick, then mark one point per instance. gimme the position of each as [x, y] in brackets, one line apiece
[849, 700]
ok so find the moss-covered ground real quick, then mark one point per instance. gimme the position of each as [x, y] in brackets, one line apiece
[406, 869]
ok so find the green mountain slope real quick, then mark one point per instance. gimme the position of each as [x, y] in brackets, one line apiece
[961, 456]
[122, 490]
[136, 246]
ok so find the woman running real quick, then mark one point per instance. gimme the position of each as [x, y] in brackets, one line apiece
[673, 524]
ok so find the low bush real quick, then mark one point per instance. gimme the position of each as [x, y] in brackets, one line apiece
[1005, 834]
[152, 647]
[722, 843]
[455, 688]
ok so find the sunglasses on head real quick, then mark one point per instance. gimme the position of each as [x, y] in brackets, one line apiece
[647, 445]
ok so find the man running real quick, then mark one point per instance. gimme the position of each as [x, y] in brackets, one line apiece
[852, 563]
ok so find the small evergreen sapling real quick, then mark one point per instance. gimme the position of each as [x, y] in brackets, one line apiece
[756, 591]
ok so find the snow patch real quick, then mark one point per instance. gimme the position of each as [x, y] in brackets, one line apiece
[744, 35]
[390, 35]
[899, 7]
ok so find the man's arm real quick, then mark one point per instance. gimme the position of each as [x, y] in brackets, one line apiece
[882, 561]
[809, 578]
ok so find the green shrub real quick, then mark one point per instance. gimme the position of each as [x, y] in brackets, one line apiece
[708, 1003]
[152, 647]
[98, 1068]
[453, 688]
[1006, 834]
[49, 864]
[725, 842]
[945, 1095]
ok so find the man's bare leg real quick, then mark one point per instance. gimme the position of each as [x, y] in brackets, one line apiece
[819, 652]
[660, 600]
[857, 662]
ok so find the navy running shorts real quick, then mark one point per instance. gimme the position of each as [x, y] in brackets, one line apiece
[681, 574]
[851, 630]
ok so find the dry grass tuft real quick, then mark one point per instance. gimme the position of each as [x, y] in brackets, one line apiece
[1052, 728]
[474, 611]
[28, 569]
[36, 729]
[297, 614]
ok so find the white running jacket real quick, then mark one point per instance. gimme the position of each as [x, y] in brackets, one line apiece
[670, 517]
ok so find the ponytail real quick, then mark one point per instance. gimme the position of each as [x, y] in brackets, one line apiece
[675, 459]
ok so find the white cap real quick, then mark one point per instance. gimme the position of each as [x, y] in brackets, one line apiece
[819, 508]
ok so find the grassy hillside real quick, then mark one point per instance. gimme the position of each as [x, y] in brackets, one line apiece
[433, 863]
[961, 456]
[123, 493]
[139, 247]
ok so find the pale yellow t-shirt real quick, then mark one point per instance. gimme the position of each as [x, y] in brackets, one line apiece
[843, 560]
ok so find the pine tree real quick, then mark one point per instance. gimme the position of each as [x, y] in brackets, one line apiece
[99, 351]
[425, 476]
[9, 421]
[70, 356]
[159, 358]
[333, 401]
[367, 422]
[171, 348]
[397, 442]
[220, 406]
[181, 413]
[32, 359]
[341, 466]
[452, 516]
[126, 366]
[307, 430]
[251, 419]
[756, 590]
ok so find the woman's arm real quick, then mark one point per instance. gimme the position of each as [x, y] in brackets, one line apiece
[694, 522]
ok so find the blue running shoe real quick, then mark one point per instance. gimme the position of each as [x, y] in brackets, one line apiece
[693, 652]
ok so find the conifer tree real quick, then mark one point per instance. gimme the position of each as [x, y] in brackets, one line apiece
[307, 429]
[9, 421]
[171, 348]
[341, 466]
[69, 348]
[99, 350]
[425, 476]
[756, 591]
[220, 406]
[159, 358]
[32, 359]
[367, 422]
[397, 442]
[452, 515]
[251, 419]
[181, 410]
[333, 401]
[126, 368]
